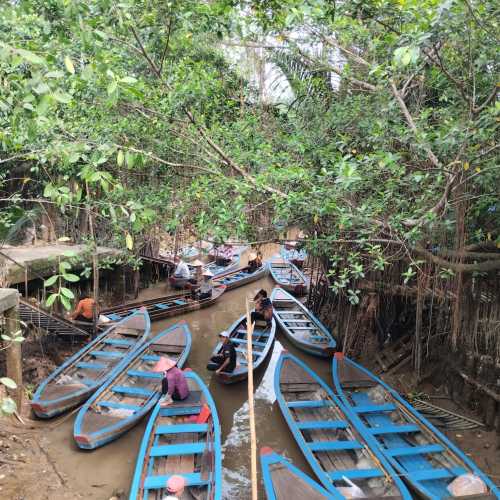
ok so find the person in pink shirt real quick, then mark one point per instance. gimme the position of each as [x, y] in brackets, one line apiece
[174, 386]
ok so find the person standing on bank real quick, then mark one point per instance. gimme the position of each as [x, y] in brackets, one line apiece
[225, 359]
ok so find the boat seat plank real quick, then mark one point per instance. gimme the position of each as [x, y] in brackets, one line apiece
[114, 317]
[291, 320]
[162, 306]
[321, 424]
[107, 354]
[144, 374]
[433, 474]
[244, 341]
[177, 449]
[315, 403]
[159, 482]
[414, 450]
[119, 342]
[352, 474]
[334, 445]
[374, 408]
[133, 391]
[150, 357]
[180, 302]
[114, 404]
[302, 327]
[394, 429]
[90, 366]
[181, 428]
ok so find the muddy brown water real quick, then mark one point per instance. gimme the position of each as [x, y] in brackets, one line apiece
[96, 474]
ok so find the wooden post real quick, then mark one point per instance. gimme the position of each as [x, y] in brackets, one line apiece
[251, 416]
[8, 306]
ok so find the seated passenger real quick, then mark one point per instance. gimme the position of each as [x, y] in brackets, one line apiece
[225, 359]
[174, 386]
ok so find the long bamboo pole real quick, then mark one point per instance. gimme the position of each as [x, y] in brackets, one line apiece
[253, 436]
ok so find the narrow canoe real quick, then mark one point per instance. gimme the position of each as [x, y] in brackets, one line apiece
[289, 277]
[325, 433]
[237, 250]
[190, 253]
[420, 453]
[164, 307]
[263, 338]
[132, 389]
[171, 445]
[283, 481]
[217, 270]
[300, 325]
[240, 277]
[295, 256]
[82, 374]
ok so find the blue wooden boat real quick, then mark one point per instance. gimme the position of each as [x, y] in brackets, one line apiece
[171, 445]
[339, 454]
[81, 375]
[288, 276]
[262, 341]
[217, 270]
[420, 453]
[240, 277]
[283, 481]
[295, 256]
[132, 389]
[300, 325]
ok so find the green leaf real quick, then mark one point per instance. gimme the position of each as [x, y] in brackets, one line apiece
[66, 303]
[67, 293]
[8, 382]
[54, 74]
[129, 159]
[120, 158]
[50, 281]
[42, 88]
[5, 337]
[8, 406]
[72, 278]
[51, 299]
[69, 65]
[64, 266]
[30, 56]
[112, 87]
[62, 97]
[129, 241]
[128, 79]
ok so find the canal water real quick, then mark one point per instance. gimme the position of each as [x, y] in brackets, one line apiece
[96, 474]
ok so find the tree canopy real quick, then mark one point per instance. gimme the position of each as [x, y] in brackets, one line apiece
[131, 113]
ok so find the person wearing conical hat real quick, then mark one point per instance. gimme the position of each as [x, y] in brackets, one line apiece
[204, 291]
[197, 278]
[174, 386]
[254, 262]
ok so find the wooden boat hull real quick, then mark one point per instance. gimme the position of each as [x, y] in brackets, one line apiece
[283, 481]
[301, 326]
[296, 257]
[166, 428]
[110, 412]
[90, 367]
[235, 279]
[263, 339]
[420, 453]
[165, 307]
[327, 436]
[289, 277]
[217, 270]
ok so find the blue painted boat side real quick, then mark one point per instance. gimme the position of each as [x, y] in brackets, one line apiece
[321, 475]
[285, 283]
[218, 270]
[237, 280]
[306, 346]
[124, 425]
[142, 457]
[37, 397]
[273, 458]
[425, 423]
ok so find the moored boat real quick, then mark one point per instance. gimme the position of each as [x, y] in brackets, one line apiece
[262, 341]
[345, 460]
[296, 257]
[288, 276]
[300, 325]
[427, 460]
[83, 373]
[218, 270]
[132, 390]
[164, 307]
[240, 277]
[183, 438]
[283, 481]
